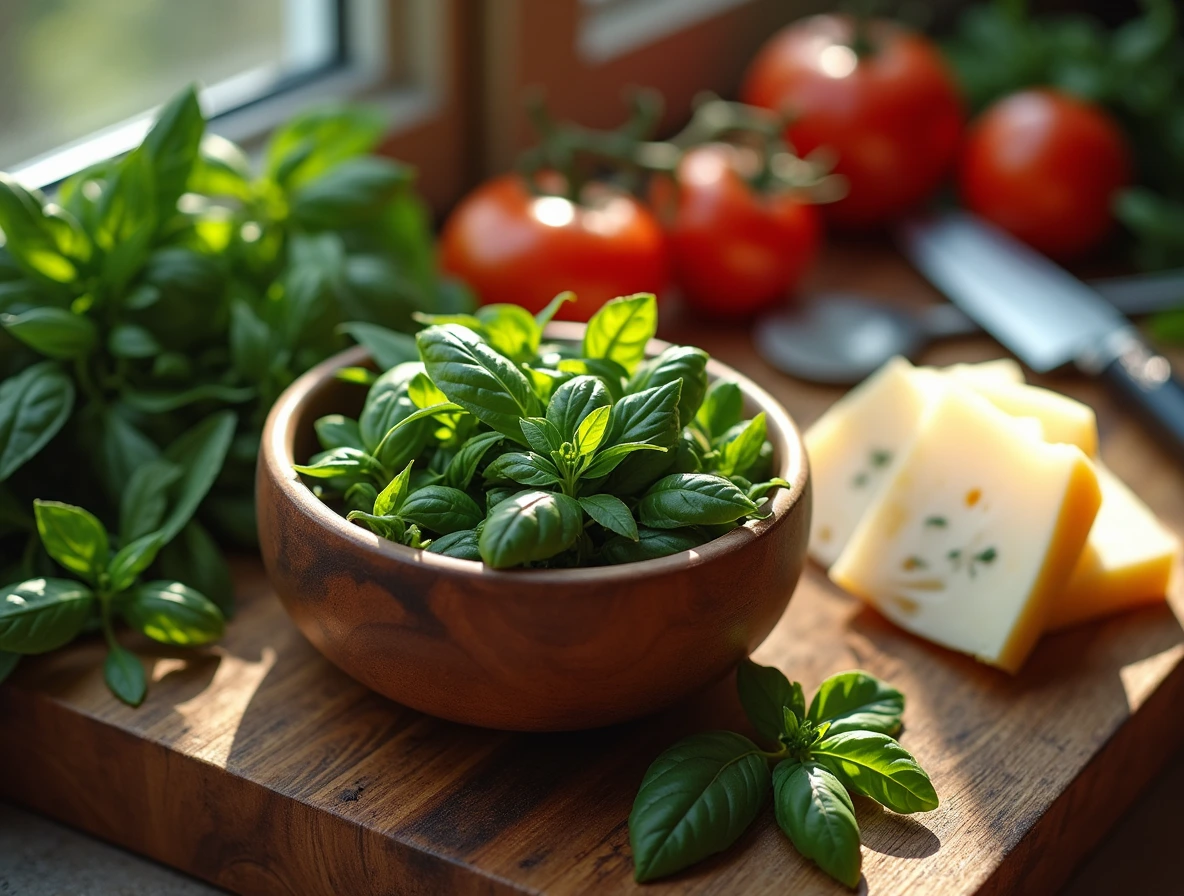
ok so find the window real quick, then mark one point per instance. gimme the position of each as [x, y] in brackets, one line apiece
[71, 68]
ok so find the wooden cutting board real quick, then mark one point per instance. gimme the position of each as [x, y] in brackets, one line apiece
[258, 766]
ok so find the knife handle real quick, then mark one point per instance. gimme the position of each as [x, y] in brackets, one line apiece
[1143, 379]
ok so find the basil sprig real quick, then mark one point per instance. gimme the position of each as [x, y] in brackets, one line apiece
[492, 445]
[699, 796]
[177, 289]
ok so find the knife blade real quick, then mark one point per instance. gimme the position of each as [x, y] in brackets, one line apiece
[1042, 313]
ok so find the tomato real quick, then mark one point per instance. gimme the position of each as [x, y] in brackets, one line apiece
[733, 251]
[891, 112]
[1046, 167]
[513, 246]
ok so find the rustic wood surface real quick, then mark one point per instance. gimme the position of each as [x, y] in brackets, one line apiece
[260, 767]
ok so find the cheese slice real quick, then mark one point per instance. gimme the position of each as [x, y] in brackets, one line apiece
[976, 534]
[1064, 419]
[1127, 561]
[854, 447]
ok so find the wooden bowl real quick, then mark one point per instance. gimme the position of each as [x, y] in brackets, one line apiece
[525, 650]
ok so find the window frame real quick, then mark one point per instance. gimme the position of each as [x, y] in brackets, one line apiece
[404, 84]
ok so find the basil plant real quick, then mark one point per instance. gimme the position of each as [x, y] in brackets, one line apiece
[482, 442]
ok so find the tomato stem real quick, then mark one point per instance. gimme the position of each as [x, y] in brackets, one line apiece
[579, 154]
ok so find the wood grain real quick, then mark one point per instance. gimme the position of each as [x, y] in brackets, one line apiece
[260, 767]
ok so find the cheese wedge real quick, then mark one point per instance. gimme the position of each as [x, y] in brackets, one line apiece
[976, 534]
[1064, 419]
[1127, 561]
[853, 450]
[1001, 370]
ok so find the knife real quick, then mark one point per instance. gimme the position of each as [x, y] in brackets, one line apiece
[1044, 314]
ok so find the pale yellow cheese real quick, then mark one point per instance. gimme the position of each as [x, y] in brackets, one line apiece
[1127, 561]
[976, 533]
[1064, 419]
[1000, 370]
[853, 449]
[854, 445]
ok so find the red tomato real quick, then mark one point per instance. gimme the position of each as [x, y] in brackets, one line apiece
[892, 113]
[512, 246]
[1046, 166]
[733, 251]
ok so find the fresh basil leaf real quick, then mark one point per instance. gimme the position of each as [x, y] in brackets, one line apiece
[132, 341]
[692, 499]
[524, 468]
[323, 137]
[194, 559]
[612, 374]
[221, 169]
[441, 509]
[758, 490]
[124, 675]
[463, 466]
[73, 537]
[123, 449]
[650, 544]
[610, 458]
[131, 560]
[477, 378]
[360, 496]
[621, 329]
[857, 701]
[389, 527]
[41, 615]
[544, 317]
[390, 499]
[424, 393]
[738, 455]
[541, 435]
[722, 408]
[54, 332]
[8, 664]
[817, 815]
[143, 504]
[695, 800]
[530, 526]
[200, 452]
[250, 341]
[647, 416]
[338, 431]
[388, 348]
[612, 513]
[172, 146]
[463, 319]
[340, 462]
[511, 330]
[172, 613]
[34, 405]
[590, 433]
[765, 693]
[358, 376]
[387, 404]
[409, 424]
[575, 400]
[351, 193]
[545, 381]
[462, 545]
[28, 240]
[875, 765]
[163, 401]
[679, 362]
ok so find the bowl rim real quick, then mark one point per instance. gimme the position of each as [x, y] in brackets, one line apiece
[276, 457]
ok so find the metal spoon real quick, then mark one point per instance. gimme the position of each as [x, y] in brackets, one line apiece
[839, 338]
